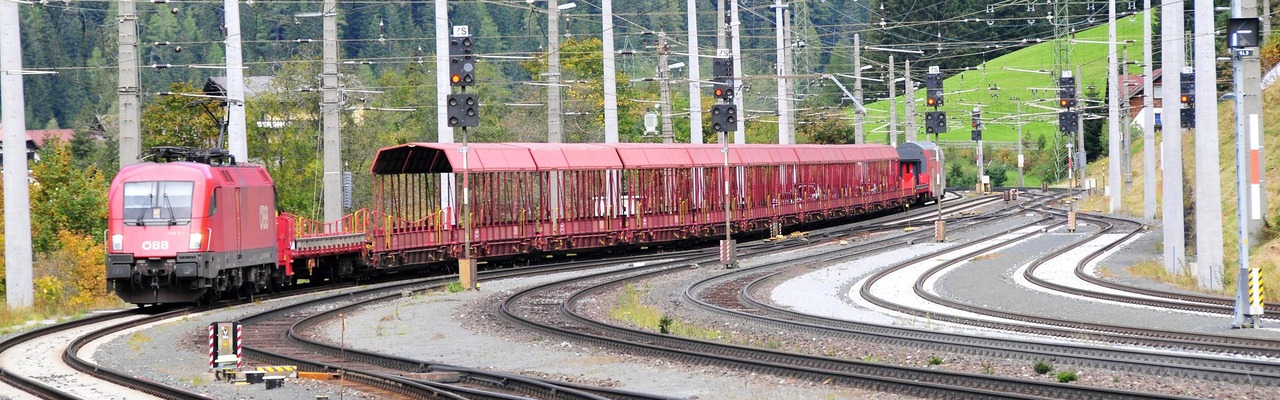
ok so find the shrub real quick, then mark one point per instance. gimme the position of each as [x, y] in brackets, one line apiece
[1067, 376]
[935, 360]
[454, 287]
[1043, 367]
[664, 324]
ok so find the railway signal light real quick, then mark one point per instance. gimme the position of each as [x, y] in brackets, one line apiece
[462, 62]
[1068, 122]
[1188, 89]
[975, 135]
[722, 88]
[1067, 92]
[722, 67]
[935, 122]
[724, 118]
[463, 110]
[933, 89]
[1188, 118]
[977, 118]
[722, 72]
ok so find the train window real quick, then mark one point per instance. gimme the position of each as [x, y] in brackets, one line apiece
[158, 202]
[213, 201]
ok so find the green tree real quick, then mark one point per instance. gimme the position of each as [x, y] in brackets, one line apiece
[826, 131]
[178, 120]
[65, 197]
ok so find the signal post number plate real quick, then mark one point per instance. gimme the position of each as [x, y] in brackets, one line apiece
[461, 30]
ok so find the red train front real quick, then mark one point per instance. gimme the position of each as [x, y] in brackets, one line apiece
[195, 228]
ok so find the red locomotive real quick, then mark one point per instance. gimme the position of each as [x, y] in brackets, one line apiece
[204, 227]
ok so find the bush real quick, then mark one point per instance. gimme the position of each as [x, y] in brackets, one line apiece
[1043, 367]
[935, 360]
[664, 324]
[1067, 376]
[454, 287]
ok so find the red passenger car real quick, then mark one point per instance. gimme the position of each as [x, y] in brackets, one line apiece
[181, 230]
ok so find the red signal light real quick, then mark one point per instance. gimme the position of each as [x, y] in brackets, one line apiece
[719, 92]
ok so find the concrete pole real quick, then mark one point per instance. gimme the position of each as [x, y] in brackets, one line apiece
[445, 133]
[1265, 15]
[1114, 180]
[720, 26]
[1171, 62]
[893, 106]
[331, 120]
[1081, 155]
[788, 70]
[695, 94]
[1148, 119]
[610, 75]
[129, 85]
[1126, 120]
[1022, 181]
[780, 71]
[909, 91]
[740, 135]
[19, 291]
[664, 82]
[859, 117]
[237, 139]
[1209, 252]
[555, 122]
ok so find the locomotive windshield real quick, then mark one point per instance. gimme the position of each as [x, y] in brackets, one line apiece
[157, 202]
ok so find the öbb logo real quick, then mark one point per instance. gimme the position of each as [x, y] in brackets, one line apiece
[155, 245]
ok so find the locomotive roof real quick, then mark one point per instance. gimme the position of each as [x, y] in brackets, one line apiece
[419, 158]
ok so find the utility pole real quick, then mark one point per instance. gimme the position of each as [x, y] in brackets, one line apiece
[1126, 120]
[555, 124]
[893, 107]
[1080, 155]
[910, 101]
[610, 74]
[788, 70]
[783, 112]
[739, 101]
[1209, 235]
[720, 25]
[1148, 118]
[1113, 113]
[19, 291]
[859, 117]
[237, 140]
[695, 95]
[1171, 62]
[129, 86]
[1250, 158]
[1022, 181]
[664, 82]
[331, 121]
[445, 135]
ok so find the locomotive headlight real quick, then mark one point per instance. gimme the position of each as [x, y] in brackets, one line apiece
[195, 241]
[117, 242]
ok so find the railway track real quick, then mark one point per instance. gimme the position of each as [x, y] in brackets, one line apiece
[378, 380]
[551, 308]
[733, 295]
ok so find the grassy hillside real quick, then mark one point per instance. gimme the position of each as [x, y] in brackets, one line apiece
[1266, 255]
[998, 110]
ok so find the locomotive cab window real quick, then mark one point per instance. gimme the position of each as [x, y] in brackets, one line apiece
[157, 202]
